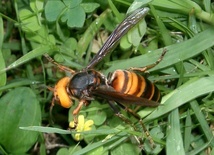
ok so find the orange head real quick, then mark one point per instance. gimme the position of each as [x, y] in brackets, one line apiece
[60, 93]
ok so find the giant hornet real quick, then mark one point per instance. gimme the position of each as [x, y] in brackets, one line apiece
[125, 87]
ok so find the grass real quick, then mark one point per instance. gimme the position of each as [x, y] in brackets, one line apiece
[182, 124]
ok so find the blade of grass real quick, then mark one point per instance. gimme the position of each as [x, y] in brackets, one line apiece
[99, 143]
[2, 62]
[207, 5]
[18, 83]
[187, 131]
[209, 57]
[46, 129]
[115, 10]
[163, 30]
[175, 53]
[184, 7]
[90, 32]
[202, 121]
[181, 95]
[181, 26]
[173, 5]
[174, 141]
[32, 54]
[199, 149]
[137, 4]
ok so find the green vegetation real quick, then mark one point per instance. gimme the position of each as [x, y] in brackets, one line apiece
[71, 32]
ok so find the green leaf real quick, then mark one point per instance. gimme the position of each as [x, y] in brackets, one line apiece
[74, 16]
[98, 118]
[62, 151]
[72, 3]
[126, 149]
[90, 7]
[41, 37]
[37, 5]
[97, 151]
[69, 11]
[134, 36]
[157, 134]
[53, 9]
[29, 21]
[18, 107]
[71, 44]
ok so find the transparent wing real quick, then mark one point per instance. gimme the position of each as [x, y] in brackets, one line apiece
[117, 34]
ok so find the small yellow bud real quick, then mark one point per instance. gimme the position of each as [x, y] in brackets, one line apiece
[81, 126]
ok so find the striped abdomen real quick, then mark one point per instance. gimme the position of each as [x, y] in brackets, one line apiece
[129, 82]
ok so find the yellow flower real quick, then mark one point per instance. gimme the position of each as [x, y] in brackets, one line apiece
[81, 126]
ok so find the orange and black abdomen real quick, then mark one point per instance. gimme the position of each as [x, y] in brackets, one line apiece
[129, 82]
